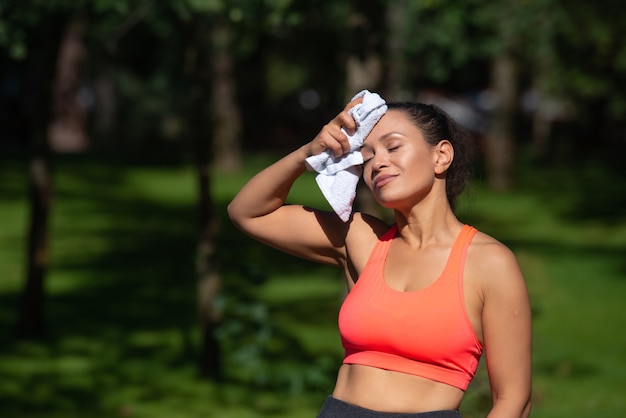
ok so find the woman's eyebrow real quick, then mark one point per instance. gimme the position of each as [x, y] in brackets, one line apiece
[388, 134]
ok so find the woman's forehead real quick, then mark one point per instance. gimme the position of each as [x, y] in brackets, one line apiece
[392, 121]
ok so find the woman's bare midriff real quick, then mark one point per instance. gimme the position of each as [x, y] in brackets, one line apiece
[389, 391]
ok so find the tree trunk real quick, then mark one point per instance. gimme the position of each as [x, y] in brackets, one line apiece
[104, 110]
[364, 70]
[31, 315]
[67, 132]
[41, 66]
[395, 75]
[226, 116]
[540, 135]
[197, 69]
[209, 281]
[363, 73]
[501, 139]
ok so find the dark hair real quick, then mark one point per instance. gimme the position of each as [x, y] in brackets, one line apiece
[436, 125]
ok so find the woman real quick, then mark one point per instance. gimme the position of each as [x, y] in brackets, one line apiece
[427, 294]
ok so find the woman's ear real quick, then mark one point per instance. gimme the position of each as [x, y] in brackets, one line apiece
[444, 154]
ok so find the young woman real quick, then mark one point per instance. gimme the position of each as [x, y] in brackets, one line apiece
[428, 294]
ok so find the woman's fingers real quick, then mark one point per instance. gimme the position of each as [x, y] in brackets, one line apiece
[332, 136]
[348, 121]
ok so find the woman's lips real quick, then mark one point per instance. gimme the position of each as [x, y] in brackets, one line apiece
[383, 179]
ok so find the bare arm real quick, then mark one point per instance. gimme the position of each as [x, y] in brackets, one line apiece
[259, 208]
[507, 332]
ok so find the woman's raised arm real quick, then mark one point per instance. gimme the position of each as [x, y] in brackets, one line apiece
[259, 208]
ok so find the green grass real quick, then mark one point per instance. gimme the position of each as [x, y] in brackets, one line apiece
[122, 334]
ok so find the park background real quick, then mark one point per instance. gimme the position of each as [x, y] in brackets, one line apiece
[126, 126]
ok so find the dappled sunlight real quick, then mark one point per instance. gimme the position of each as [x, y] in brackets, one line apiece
[121, 304]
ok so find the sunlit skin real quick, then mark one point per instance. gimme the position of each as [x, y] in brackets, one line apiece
[408, 175]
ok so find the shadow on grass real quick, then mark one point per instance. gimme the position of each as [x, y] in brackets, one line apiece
[588, 189]
[121, 305]
[122, 298]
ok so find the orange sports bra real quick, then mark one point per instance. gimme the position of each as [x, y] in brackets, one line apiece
[425, 333]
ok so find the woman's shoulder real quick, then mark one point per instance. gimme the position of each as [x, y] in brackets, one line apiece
[367, 227]
[485, 245]
[363, 232]
[491, 260]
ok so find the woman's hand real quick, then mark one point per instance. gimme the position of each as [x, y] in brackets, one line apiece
[259, 208]
[332, 137]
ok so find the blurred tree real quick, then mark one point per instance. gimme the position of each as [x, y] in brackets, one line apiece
[200, 129]
[32, 38]
[365, 47]
[33, 35]
[534, 49]
[68, 127]
[504, 83]
[43, 39]
[225, 109]
[395, 85]
[290, 67]
[583, 69]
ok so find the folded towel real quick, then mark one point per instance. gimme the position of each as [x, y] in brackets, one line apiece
[338, 177]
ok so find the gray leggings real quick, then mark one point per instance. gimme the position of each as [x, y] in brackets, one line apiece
[334, 408]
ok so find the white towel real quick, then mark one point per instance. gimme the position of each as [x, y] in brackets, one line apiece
[338, 177]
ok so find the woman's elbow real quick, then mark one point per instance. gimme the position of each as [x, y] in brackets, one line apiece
[242, 217]
[523, 407]
[235, 214]
[527, 408]
[514, 405]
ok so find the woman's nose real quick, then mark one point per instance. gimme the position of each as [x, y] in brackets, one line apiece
[379, 161]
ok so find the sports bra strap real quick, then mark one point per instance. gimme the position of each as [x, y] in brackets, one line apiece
[456, 261]
[381, 248]
[458, 254]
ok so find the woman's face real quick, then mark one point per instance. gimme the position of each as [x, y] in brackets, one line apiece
[399, 165]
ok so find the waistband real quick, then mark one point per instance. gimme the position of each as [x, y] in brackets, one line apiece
[335, 408]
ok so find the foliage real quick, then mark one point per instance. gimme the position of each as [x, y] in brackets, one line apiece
[141, 49]
[121, 311]
[451, 40]
[121, 291]
[297, 47]
[592, 31]
[445, 37]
